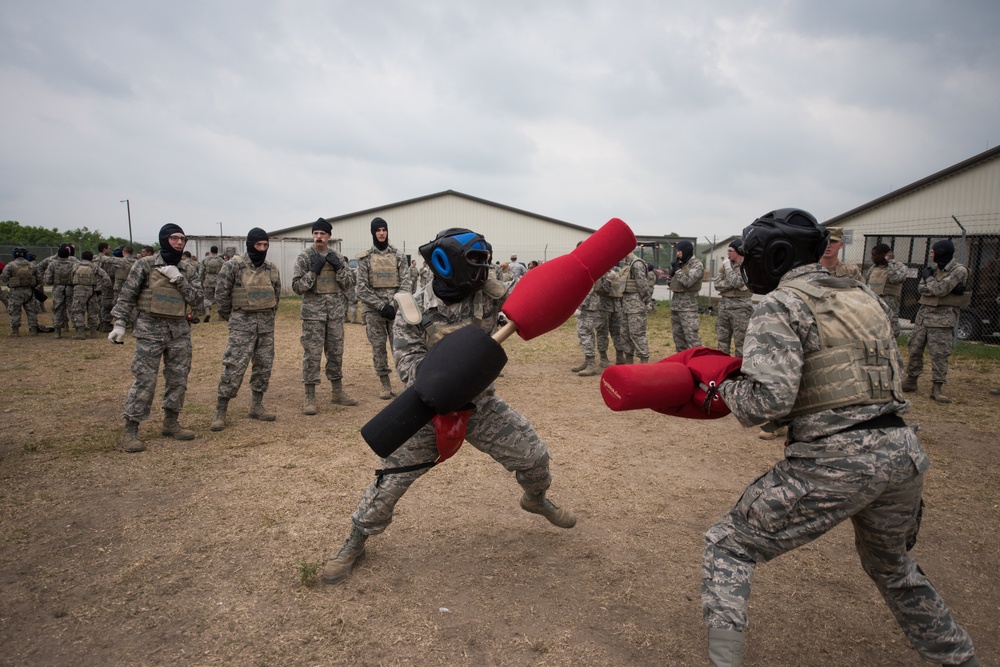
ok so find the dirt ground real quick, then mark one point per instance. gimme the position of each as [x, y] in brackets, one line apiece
[204, 552]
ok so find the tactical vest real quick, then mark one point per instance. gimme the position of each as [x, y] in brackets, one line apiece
[741, 292]
[616, 284]
[123, 267]
[326, 280]
[954, 300]
[435, 331]
[878, 282]
[382, 270]
[161, 298]
[85, 274]
[676, 286]
[253, 291]
[631, 284]
[62, 271]
[854, 365]
[23, 275]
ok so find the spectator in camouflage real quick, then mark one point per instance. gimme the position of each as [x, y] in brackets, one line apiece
[59, 274]
[686, 276]
[735, 305]
[885, 277]
[108, 263]
[636, 303]
[849, 454]
[19, 276]
[831, 257]
[89, 282]
[210, 268]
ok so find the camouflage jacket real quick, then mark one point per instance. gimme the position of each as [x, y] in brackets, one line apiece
[14, 265]
[781, 333]
[146, 324]
[896, 274]
[103, 279]
[941, 284]
[108, 264]
[374, 298]
[686, 276]
[59, 271]
[320, 306]
[227, 279]
[847, 270]
[730, 278]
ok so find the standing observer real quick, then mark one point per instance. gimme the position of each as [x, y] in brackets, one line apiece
[735, 305]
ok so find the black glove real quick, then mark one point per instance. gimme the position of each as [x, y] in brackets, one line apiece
[388, 311]
[927, 272]
[959, 289]
[676, 264]
[334, 261]
[316, 263]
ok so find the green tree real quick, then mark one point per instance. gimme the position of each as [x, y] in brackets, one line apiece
[14, 233]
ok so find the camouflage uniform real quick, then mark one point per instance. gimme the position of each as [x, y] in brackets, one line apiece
[935, 324]
[210, 268]
[592, 322]
[494, 427]
[352, 300]
[735, 307]
[251, 325]
[157, 336]
[838, 465]
[635, 304]
[89, 282]
[685, 284]
[324, 303]
[847, 270]
[19, 276]
[109, 264]
[887, 282]
[122, 269]
[376, 289]
[59, 274]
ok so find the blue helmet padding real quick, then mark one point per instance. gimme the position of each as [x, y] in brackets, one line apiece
[468, 236]
[440, 262]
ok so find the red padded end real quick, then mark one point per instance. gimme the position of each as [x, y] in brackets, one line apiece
[605, 248]
[660, 386]
[548, 295]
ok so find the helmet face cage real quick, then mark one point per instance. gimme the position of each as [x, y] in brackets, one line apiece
[19, 251]
[459, 257]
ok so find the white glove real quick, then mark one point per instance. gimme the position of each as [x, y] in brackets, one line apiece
[117, 335]
[170, 271]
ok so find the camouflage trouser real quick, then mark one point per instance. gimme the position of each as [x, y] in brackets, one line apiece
[107, 303]
[244, 346]
[731, 325]
[801, 499]
[592, 330]
[319, 336]
[176, 355]
[352, 309]
[893, 303]
[684, 325]
[615, 330]
[22, 297]
[85, 310]
[62, 298]
[939, 342]
[494, 428]
[634, 334]
[208, 299]
[379, 332]
[131, 317]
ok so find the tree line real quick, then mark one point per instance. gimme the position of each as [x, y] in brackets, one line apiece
[14, 233]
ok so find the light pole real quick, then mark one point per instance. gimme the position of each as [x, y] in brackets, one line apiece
[128, 208]
[220, 238]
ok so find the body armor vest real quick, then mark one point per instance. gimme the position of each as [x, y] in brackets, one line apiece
[62, 271]
[85, 275]
[253, 291]
[631, 284]
[23, 275]
[160, 297]
[676, 286]
[326, 281]
[854, 365]
[616, 284]
[382, 270]
[954, 300]
[123, 267]
[878, 282]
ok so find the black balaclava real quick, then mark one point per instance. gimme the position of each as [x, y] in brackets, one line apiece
[253, 236]
[944, 251]
[377, 224]
[167, 252]
[737, 245]
[687, 251]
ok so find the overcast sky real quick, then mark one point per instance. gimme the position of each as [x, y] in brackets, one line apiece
[689, 116]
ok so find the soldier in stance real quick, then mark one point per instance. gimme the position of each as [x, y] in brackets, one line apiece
[323, 278]
[210, 268]
[592, 330]
[637, 299]
[161, 287]
[885, 278]
[460, 294]
[943, 294]
[59, 274]
[735, 305]
[90, 282]
[849, 454]
[20, 277]
[247, 293]
[382, 273]
[686, 276]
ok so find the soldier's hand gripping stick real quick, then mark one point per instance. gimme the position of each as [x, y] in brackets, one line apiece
[463, 364]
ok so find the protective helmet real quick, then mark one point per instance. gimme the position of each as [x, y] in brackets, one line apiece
[459, 259]
[778, 242]
[19, 251]
[117, 252]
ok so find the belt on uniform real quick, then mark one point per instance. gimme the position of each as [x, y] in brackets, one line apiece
[882, 421]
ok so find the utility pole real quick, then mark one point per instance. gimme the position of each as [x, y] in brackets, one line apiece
[128, 208]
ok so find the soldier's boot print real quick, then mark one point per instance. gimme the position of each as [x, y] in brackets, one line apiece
[725, 647]
[605, 362]
[339, 396]
[619, 357]
[58, 332]
[257, 410]
[309, 407]
[581, 366]
[130, 441]
[81, 334]
[589, 368]
[910, 384]
[387, 391]
[936, 394]
[539, 504]
[172, 428]
[221, 407]
[339, 568]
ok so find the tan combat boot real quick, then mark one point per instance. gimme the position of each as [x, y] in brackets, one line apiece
[629, 358]
[130, 441]
[33, 330]
[257, 410]
[619, 357]
[725, 647]
[309, 408]
[605, 362]
[589, 368]
[15, 332]
[910, 384]
[936, 394]
[643, 360]
[339, 396]
[351, 553]
[221, 407]
[58, 332]
[81, 334]
[387, 391]
[539, 504]
[583, 364]
[172, 428]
